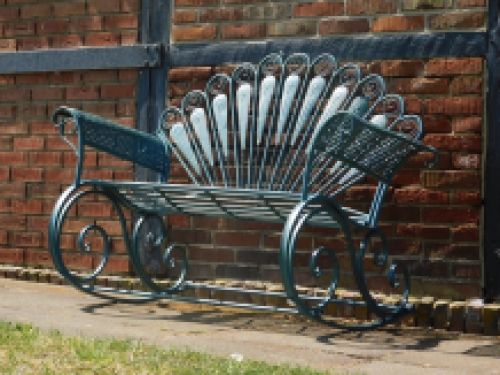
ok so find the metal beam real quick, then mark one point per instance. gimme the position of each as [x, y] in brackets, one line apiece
[492, 162]
[85, 58]
[385, 47]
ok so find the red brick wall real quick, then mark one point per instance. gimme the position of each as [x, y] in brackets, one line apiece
[432, 217]
[35, 164]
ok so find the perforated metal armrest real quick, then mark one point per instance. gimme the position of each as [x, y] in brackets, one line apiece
[128, 144]
[363, 148]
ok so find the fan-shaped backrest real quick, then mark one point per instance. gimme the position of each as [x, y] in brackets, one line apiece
[252, 129]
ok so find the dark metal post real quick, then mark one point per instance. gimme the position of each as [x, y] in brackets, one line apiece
[492, 165]
[151, 98]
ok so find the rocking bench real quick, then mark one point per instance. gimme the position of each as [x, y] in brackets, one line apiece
[278, 142]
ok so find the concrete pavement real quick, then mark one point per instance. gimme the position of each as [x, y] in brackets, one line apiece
[262, 336]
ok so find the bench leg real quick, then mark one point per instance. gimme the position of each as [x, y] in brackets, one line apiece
[92, 241]
[149, 236]
[315, 309]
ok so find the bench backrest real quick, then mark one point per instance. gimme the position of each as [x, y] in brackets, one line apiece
[253, 129]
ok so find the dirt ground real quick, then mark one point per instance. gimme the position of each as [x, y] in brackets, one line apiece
[262, 336]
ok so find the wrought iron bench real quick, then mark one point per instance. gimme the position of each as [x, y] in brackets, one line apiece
[278, 142]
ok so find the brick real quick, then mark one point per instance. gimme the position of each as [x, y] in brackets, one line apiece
[423, 231]
[466, 4]
[461, 20]
[398, 23]
[14, 158]
[344, 26]
[401, 68]
[12, 256]
[19, 29]
[467, 85]
[78, 261]
[46, 159]
[191, 236]
[450, 215]
[195, 3]
[128, 75]
[102, 39]
[8, 45]
[93, 23]
[14, 128]
[468, 198]
[33, 111]
[27, 174]
[36, 11]
[9, 14]
[43, 191]
[12, 190]
[27, 207]
[466, 271]
[5, 174]
[186, 33]
[121, 21]
[369, 7]
[47, 93]
[67, 41]
[130, 6]
[33, 143]
[237, 271]
[436, 124]
[221, 15]
[466, 233]
[450, 179]
[184, 16]
[82, 93]
[26, 239]
[13, 95]
[117, 265]
[92, 209]
[117, 91]
[467, 124]
[428, 269]
[236, 239]
[466, 161]
[452, 67]
[267, 12]
[211, 255]
[181, 74]
[38, 258]
[65, 78]
[426, 4]
[57, 26]
[31, 79]
[470, 143]
[129, 37]
[292, 28]
[323, 9]
[406, 177]
[245, 31]
[103, 6]
[29, 44]
[455, 106]
[421, 86]
[100, 108]
[69, 8]
[13, 222]
[6, 143]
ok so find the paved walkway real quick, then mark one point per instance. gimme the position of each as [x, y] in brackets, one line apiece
[253, 335]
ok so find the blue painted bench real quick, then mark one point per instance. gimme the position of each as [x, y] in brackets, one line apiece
[277, 142]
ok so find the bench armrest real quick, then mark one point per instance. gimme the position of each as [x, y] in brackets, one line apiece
[355, 144]
[129, 144]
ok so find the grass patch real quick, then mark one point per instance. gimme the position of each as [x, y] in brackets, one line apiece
[25, 349]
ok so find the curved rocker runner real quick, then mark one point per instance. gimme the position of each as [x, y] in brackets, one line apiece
[278, 142]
